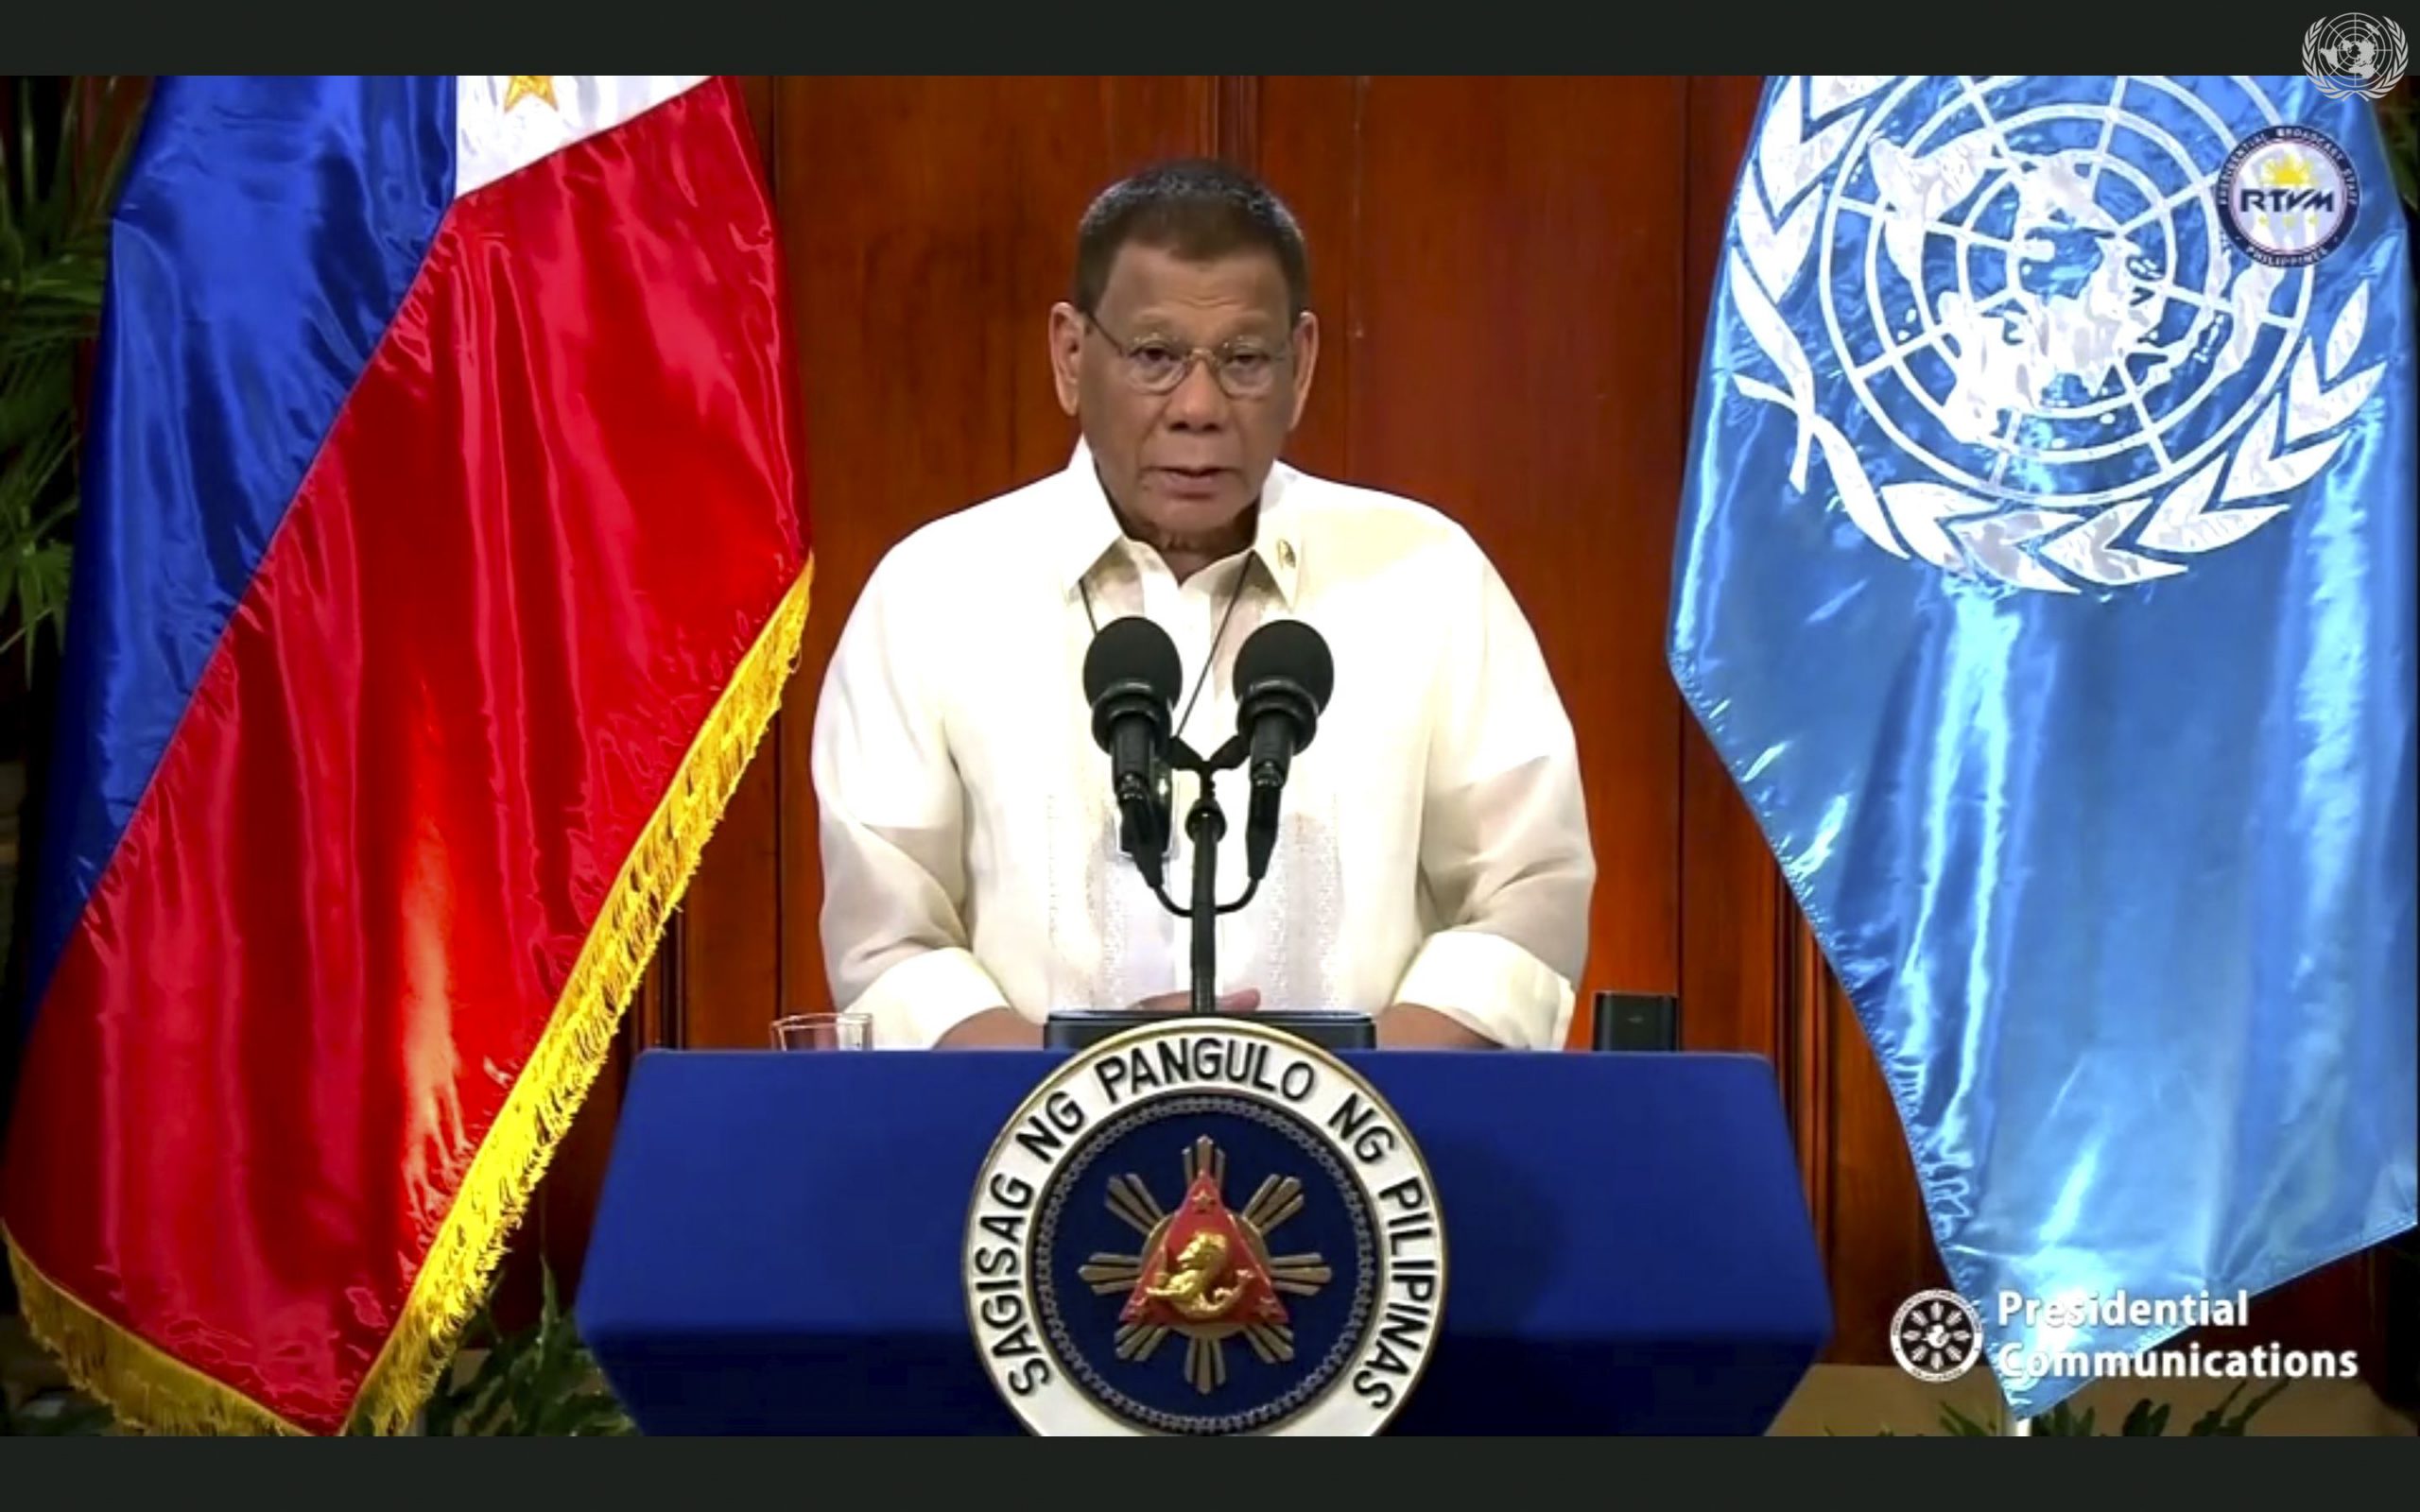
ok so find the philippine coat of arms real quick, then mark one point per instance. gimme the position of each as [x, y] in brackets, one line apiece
[1204, 1228]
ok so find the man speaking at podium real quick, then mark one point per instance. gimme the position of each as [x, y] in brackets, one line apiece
[1432, 867]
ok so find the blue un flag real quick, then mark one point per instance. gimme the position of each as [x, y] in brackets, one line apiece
[2046, 581]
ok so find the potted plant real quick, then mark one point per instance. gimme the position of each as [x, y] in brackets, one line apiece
[64, 142]
[65, 152]
[534, 1381]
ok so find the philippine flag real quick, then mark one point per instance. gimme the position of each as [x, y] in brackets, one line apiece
[440, 564]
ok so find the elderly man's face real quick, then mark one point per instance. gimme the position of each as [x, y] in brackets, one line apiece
[1183, 461]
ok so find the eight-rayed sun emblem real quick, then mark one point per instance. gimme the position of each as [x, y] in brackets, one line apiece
[1205, 1271]
[1937, 1336]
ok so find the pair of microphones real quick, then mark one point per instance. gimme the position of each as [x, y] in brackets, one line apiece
[1284, 675]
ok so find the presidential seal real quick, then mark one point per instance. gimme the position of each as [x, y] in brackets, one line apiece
[1204, 1227]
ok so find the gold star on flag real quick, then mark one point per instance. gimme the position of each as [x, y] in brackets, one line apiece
[530, 86]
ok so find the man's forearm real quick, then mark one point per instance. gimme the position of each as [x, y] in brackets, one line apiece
[1411, 1026]
[1488, 990]
[1000, 1028]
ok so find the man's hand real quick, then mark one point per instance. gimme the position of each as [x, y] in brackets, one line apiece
[1243, 1002]
[1007, 1029]
[1002, 1028]
[1411, 1027]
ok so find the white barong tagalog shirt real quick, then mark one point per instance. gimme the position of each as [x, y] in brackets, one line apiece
[1433, 845]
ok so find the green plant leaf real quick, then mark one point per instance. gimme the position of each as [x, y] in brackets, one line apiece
[453, 1403]
[536, 1380]
[63, 153]
[40, 586]
[585, 1415]
[29, 149]
[516, 1400]
[553, 1367]
[2209, 1422]
[2146, 1420]
[29, 488]
[2217, 1423]
[71, 138]
[1958, 1423]
[2235, 1425]
[37, 400]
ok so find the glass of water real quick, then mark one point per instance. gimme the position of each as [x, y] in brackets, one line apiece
[823, 1031]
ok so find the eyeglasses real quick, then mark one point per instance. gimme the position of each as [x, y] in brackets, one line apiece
[1155, 365]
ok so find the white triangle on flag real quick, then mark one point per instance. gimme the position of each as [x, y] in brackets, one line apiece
[505, 122]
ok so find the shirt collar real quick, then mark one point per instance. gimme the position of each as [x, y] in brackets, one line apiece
[1087, 527]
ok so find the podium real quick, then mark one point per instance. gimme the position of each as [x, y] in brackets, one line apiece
[778, 1245]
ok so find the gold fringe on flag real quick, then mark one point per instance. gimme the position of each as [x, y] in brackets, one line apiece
[148, 1389]
[143, 1386]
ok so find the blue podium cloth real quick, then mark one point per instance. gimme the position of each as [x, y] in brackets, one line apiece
[778, 1241]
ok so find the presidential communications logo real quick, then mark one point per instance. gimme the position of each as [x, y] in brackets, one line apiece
[2353, 54]
[2051, 332]
[1204, 1228]
[1936, 1335]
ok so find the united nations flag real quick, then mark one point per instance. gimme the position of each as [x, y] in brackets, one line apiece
[2046, 581]
[1205, 1228]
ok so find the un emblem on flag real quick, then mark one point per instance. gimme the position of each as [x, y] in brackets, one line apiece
[2052, 333]
[1204, 1228]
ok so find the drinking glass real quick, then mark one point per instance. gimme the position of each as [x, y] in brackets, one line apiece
[823, 1031]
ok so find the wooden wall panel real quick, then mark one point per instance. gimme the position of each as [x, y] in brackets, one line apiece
[1736, 916]
[1511, 337]
[1307, 141]
[725, 944]
[928, 224]
[1877, 1243]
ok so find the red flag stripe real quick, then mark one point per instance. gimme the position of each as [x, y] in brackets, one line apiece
[553, 522]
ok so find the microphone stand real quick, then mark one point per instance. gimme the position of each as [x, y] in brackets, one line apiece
[1205, 825]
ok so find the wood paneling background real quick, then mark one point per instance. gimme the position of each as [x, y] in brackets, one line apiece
[1513, 356]
[1514, 277]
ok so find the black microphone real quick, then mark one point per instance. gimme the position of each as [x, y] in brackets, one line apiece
[1131, 677]
[1284, 675]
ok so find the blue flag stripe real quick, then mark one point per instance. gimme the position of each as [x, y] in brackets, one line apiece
[265, 236]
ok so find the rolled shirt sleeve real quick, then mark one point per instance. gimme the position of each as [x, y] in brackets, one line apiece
[1507, 868]
[891, 818]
